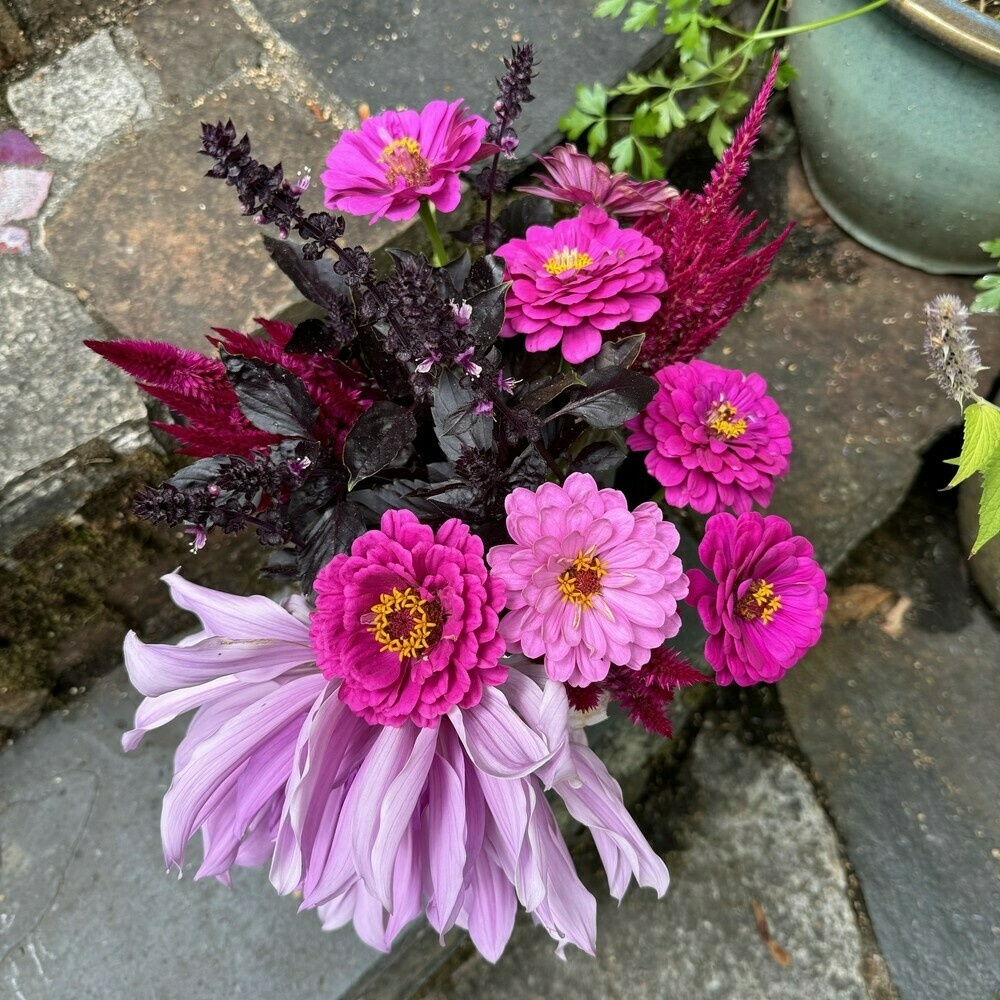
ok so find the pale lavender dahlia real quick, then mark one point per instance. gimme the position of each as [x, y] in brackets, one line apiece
[589, 582]
[409, 621]
[714, 438]
[575, 281]
[765, 607]
[377, 824]
[575, 178]
[398, 158]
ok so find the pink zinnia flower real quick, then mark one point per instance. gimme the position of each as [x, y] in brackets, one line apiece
[409, 621]
[589, 582]
[765, 607]
[577, 179]
[578, 279]
[713, 438]
[399, 157]
[369, 823]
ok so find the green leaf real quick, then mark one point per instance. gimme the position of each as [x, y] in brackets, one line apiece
[786, 73]
[592, 101]
[645, 121]
[988, 299]
[980, 441]
[691, 40]
[650, 161]
[610, 8]
[992, 247]
[598, 137]
[622, 153]
[989, 504]
[702, 109]
[720, 135]
[641, 15]
[574, 123]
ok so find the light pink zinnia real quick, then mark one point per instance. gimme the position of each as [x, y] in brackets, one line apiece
[589, 582]
[399, 157]
[409, 621]
[577, 179]
[575, 281]
[375, 824]
[713, 438]
[765, 607]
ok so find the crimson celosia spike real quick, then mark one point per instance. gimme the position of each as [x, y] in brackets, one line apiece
[159, 364]
[723, 187]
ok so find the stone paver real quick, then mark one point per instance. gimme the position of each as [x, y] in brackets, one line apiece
[387, 53]
[50, 376]
[897, 715]
[86, 909]
[752, 830]
[88, 96]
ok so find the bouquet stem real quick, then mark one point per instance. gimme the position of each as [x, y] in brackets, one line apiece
[428, 218]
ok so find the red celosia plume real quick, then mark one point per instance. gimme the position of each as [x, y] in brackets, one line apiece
[707, 259]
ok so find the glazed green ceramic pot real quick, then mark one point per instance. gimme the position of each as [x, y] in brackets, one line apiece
[898, 112]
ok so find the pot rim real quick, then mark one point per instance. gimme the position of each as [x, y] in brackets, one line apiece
[955, 26]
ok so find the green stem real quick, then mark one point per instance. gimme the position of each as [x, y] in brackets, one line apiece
[812, 26]
[430, 224]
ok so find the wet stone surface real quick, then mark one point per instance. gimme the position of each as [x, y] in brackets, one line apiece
[391, 53]
[896, 710]
[742, 825]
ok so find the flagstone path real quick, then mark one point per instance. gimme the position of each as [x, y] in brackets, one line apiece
[839, 839]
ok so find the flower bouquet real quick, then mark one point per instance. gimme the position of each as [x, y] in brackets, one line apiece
[431, 462]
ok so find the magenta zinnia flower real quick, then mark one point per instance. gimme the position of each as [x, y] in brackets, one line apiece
[370, 823]
[713, 439]
[409, 621]
[573, 282]
[589, 582]
[577, 179]
[399, 157]
[765, 607]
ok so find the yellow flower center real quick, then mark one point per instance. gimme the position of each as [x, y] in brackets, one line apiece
[759, 602]
[563, 260]
[722, 420]
[402, 159]
[404, 623]
[582, 580]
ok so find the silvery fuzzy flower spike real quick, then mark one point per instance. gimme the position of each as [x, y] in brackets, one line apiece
[951, 353]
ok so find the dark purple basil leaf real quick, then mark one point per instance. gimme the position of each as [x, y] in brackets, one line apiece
[601, 456]
[271, 397]
[524, 212]
[313, 336]
[487, 315]
[615, 354]
[486, 272]
[315, 279]
[379, 435]
[317, 491]
[456, 423]
[204, 472]
[333, 533]
[611, 396]
[528, 470]
[455, 272]
[544, 392]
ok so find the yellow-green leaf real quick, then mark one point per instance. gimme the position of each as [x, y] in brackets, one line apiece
[980, 440]
[989, 504]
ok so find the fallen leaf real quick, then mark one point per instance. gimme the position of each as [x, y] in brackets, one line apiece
[777, 952]
[856, 603]
[893, 622]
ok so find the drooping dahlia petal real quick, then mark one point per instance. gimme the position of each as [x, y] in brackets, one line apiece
[713, 438]
[577, 179]
[764, 609]
[409, 621]
[396, 158]
[572, 282]
[589, 583]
